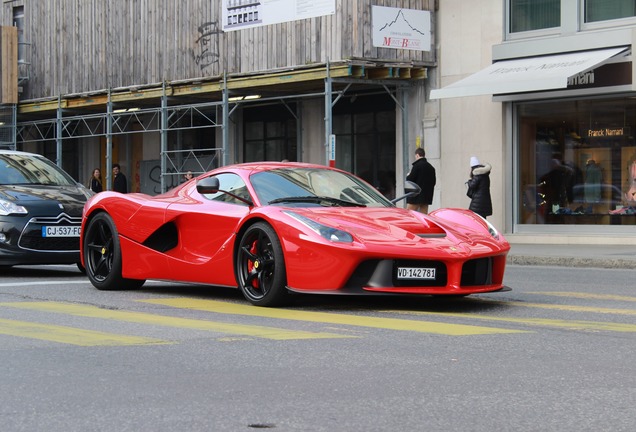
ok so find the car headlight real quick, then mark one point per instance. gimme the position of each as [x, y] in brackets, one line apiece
[325, 231]
[8, 207]
[491, 229]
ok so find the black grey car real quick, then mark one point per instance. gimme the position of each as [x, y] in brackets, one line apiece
[40, 211]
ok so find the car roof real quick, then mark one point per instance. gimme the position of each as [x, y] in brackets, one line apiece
[267, 166]
[16, 152]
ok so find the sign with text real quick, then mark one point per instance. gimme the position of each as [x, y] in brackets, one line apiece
[401, 28]
[608, 132]
[242, 14]
[331, 151]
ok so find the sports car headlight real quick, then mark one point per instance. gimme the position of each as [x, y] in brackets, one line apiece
[8, 207]
[491, 229]
[327, 232]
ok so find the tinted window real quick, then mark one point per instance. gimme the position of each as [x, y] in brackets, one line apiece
[601, 10]
[527, 15]
[312, 182]
[27, 169]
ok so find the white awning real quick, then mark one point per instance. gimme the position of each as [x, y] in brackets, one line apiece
[527, 74]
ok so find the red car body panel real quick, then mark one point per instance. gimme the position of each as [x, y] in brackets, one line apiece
[207, 234]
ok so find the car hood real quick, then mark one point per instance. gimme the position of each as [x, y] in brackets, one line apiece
[388, 225]
[39, 198]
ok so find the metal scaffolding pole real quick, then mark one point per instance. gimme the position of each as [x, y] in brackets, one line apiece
[164, 138]
[406, 151]
[109, 142]
[328, 119]
[14, 126]
[299, 133]
[58, 133]
[226, 122]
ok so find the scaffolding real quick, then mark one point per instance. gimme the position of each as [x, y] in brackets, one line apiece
[114, 112]
[8, 126]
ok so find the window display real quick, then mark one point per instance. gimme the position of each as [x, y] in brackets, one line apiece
[577, 162]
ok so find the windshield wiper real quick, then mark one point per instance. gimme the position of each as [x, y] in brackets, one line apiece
[317, 199]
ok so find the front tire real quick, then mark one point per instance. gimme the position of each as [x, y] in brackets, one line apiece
[260, 266]
[102, 256]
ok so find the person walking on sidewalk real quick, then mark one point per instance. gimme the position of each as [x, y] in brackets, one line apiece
[423, 174]
[479, 188]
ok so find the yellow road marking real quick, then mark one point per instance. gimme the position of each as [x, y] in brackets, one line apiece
[585, 295]
[569, 308]
[168, 321]
[70, 335]
[331, 318]
[543, 322]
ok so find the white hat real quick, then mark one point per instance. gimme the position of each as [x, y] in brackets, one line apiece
[474, 161]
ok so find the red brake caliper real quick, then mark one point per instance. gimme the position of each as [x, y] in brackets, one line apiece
[250, 264]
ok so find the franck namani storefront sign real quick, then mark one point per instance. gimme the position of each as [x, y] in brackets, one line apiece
[530, 74]
[401, 28]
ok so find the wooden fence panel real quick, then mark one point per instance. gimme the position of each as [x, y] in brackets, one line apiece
[80, 46]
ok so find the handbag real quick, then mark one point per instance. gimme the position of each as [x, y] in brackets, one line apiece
[470, 191]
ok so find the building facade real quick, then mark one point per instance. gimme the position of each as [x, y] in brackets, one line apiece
[543, 90]
[164, 87]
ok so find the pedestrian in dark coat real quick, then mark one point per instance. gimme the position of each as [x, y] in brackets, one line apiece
[423, 174]
[119, 180]
[479, 188]
[95, 182]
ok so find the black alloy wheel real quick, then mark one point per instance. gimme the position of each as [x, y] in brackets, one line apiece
[102, 256]
[260, 266]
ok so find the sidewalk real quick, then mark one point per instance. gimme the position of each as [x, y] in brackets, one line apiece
[599, 256]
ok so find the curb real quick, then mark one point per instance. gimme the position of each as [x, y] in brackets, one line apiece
[614, 263]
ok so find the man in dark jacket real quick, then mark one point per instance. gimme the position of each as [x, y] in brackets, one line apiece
[479, 188]
[119, 180]
[423, 174]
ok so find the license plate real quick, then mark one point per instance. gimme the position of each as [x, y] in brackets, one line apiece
[415, 273]
[60, 231]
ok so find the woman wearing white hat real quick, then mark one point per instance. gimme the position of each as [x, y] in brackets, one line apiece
[479, 188]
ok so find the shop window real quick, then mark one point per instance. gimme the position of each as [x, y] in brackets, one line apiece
[577, 162]
[603, 10]
[366, 147]
[269, 135]
[529, 15]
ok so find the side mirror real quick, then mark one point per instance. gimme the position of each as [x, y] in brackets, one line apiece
[410, 189]
[208, 185]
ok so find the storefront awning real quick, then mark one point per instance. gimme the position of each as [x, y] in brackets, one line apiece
[527, 74]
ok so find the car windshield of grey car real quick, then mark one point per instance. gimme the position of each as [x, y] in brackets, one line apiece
[16, 169]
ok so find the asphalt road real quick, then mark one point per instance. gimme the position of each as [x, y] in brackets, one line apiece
[554, 354]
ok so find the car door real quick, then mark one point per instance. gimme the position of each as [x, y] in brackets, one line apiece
[206, 226]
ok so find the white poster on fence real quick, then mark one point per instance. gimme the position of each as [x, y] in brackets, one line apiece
[242, 14]
[401, 28]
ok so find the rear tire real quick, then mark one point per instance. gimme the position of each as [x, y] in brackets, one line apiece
[102, 256]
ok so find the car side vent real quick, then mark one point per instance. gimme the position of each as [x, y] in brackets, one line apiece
[164, 239]
[432, 235]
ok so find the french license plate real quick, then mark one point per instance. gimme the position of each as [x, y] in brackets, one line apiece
[60, 231]
[415, 273]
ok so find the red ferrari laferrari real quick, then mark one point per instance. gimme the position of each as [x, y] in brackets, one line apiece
[274, 228]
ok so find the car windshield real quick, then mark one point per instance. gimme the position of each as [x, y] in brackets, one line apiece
[303, 187]
[25, 169]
